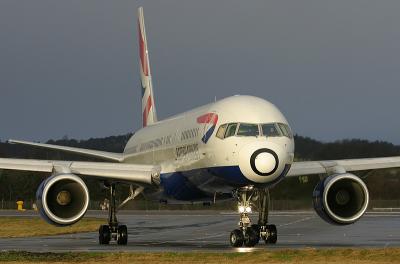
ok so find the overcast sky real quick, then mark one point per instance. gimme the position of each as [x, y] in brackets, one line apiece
[71, 67]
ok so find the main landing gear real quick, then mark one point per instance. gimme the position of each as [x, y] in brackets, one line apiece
[113, 230]
[249, 234]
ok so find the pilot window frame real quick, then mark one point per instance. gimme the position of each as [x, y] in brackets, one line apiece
[286, 131]
[227, 127]
[277, 128]
[222, 128]
[256, 125]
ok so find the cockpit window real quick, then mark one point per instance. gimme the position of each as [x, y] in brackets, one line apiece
[285, 130]
[253, 130]
[249, 130]
[231, 130]
[270, 130]
[221, 131]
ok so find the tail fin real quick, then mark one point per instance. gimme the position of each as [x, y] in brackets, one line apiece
[148, 107]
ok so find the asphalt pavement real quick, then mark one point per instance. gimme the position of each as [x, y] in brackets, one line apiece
[209, 231]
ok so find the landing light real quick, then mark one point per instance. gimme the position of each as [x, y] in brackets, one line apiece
[243, 209]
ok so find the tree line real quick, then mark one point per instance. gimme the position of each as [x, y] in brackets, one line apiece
[383, 184]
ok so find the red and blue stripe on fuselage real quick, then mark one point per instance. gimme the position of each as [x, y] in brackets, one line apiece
[210, 122]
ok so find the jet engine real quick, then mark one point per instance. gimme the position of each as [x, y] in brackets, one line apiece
[341, 198]
[62, 199]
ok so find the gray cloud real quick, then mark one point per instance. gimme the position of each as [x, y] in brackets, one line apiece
[70, 67]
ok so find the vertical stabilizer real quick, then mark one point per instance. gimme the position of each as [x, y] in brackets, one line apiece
[148, 107]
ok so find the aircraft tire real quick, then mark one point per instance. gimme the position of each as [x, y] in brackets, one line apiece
[251, 237]
[256, 228]
[104, 235]
[122, 235]
[273, 237]
[236, 238]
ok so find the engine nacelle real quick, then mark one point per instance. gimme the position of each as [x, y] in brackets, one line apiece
[341, 198]
[62, 199]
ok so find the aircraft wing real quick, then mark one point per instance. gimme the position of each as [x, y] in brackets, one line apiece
[110, 156]
[332, 166]
[144, 174]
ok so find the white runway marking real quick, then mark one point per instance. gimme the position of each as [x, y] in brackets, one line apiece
[199, 239]
[297, 221]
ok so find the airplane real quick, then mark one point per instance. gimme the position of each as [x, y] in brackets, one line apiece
[235, 148]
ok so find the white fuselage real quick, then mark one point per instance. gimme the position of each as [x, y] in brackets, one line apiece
[194, 159]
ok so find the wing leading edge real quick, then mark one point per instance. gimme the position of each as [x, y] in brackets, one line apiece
[331, 166]
[144, 174]
[110, 156]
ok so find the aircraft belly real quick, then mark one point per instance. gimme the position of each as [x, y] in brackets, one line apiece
[202, 183]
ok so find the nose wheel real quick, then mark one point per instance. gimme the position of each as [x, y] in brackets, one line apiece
[237, 238]
[272, 234]
[113, 231]
[251, 237]
[248, 234]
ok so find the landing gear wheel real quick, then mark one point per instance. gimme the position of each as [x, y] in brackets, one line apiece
[236, 238]
[104, 235]
[122, 235]
[113, 230]
[250, 234]
[251, 237]
[273, 235]
[256, 228]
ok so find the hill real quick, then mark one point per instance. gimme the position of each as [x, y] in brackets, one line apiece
[383, 184]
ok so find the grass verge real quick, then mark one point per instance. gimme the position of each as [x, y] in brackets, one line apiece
[34, 226]
[319, 256]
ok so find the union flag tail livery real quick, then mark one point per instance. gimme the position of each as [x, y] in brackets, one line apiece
[148, 107]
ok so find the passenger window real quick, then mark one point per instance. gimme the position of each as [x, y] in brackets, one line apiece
[221, 131]
[285, 130]
[270, 130]
[231, 130]
[249, 130]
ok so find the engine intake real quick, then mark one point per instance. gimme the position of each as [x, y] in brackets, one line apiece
[62, 199]
[341, 198]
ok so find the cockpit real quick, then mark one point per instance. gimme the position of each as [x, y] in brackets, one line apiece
[254, 130]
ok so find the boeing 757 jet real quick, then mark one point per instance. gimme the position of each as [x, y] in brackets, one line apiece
[235, 148]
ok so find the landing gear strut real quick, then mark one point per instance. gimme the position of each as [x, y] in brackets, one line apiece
[249, 234]
[113, 230]
[267, 232]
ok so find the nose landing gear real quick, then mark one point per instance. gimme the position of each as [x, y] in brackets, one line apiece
[249, 234]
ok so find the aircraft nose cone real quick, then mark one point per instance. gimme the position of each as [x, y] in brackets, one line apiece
[264, 162]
